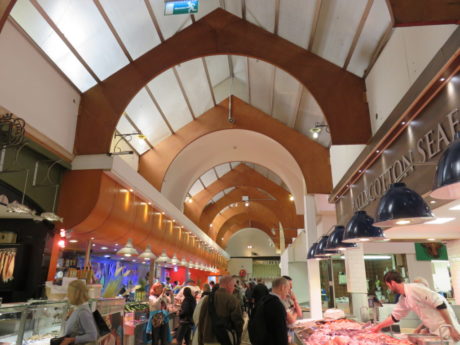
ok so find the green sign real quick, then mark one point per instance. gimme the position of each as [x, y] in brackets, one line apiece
[181, 7]
[430, 251]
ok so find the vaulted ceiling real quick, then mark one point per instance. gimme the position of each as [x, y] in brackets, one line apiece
[168, 81]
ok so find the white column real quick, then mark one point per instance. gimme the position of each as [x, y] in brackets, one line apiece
[453, 251]
[356, 279]
[314, 283]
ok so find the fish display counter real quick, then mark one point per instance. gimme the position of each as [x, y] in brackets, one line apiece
[349, 332]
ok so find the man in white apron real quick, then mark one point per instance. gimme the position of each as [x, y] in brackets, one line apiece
[431, 308]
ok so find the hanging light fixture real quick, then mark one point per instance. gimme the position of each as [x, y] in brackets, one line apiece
[360, 228]
[320, 252]
[128, 250]
[163, 258]
[335, 243]
[174, 260]
[191, 264]
[402, 206]
[447, 177]
[311, 251]
[184, 263]
[147, 254]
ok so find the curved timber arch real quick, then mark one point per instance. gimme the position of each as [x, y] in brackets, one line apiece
[283, 209]
[338, 92]
[242, 177]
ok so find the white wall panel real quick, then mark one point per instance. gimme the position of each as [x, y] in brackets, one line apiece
[261, 84]
[52, 110]
[342, 157]
[286, 96]
[405, 56]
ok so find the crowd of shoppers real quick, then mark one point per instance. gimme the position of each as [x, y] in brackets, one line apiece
[216, 314]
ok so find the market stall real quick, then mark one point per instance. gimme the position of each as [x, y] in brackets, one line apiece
[349, 332]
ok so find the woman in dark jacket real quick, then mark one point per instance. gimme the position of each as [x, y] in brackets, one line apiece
[186, 317]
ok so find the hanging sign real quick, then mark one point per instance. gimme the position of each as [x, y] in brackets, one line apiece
[181, 7]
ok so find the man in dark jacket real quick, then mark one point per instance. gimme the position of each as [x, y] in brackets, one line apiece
[227, 307]
[268, 325]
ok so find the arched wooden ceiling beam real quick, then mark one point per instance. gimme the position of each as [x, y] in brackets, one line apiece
[311, 157]
[254, 213]
[339, 93]
[424, 12]
[283, 209]
[240, 176]
[235, 227]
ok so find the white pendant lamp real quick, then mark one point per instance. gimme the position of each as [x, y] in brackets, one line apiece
[191, 264]
[147, 254]
[128, 250]
[174, 260]
[163, 258]
[184, 262]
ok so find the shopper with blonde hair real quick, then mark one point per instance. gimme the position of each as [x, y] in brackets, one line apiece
[80, 327]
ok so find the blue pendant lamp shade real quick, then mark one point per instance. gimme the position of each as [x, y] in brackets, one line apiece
[447, 178]
[402, 206]
[334, 243]
[360, 228]
[312, 251]
[320, 249]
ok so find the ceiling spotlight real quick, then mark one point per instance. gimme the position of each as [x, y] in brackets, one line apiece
[316, 131]
[403, 123]
[106, 256]
[432, 202]
[246, 203]
[431, 239]
[104, 248]
[131, 190]
[250, 247]
[73, 241]
[291, 197]
[188, 200]
[442, 79]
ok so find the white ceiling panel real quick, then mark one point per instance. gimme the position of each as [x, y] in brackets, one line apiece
[222, 169]
[309, 114]
[44, 36]
[134, 25]
[84, 27]
[275, 178]
[376, 24]
[196, 188]
[286, 96]
[206, 7]
[147, 117]
[261, 84]
[193, 77]
[261, 13]
[295, 21]
[233, 6]
[169, 25]
[208, 177]
[168, 94]
[218, 68]
[336, 28]
[233, 86]
[240, 67]
[235, 164]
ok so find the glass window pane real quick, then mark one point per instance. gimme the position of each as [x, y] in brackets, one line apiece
[84, 27]
[44, 36]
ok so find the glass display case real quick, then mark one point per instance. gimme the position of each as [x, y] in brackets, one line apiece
[43, 321]
[11, 320]
[36, 322]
